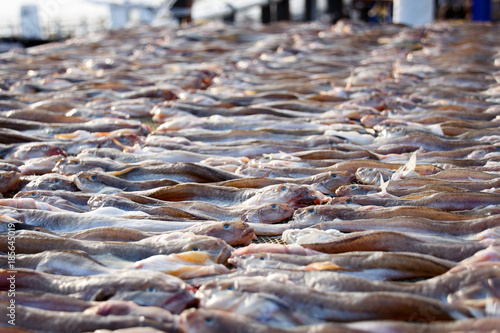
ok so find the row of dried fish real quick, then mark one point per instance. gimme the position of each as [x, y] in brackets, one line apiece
[141, 167]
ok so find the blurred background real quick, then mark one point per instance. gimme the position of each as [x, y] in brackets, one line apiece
[32, 22]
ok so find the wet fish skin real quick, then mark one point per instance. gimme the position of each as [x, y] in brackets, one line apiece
[33, 150]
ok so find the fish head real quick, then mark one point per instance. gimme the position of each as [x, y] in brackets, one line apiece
[70, 166]
[307, 216]
[9, 180]
[233, 233]
[329, 182]
[268, 213]
[316, 214]
[37, 150]
[97, 201]
[207, 321]
[218, 249]
[255, 260]
[371, 176]
[51, 182]
[371, 120]
[8, 167]
[292, 194]
[354, 189]
[89, 181]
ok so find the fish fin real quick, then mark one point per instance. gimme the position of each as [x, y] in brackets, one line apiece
[383, 185]
[326, 266]
[122, 172]
[406, 169]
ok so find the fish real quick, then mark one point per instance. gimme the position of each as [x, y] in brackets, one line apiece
[446, 201]
[100, 182]
[367, 264]
[155, 289]
[326, 183]
[265, 213]
[31, 150]
[345, 306]
[234, 233]
[292, 194]
[308, 216]
[449, 249]
[40, 166]
[213, 320]
[179, 171]
[414, 224]
[28, 241]
[72, 201]
[51, 182]
[33, 319]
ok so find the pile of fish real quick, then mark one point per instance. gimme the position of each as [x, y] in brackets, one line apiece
[281, 178]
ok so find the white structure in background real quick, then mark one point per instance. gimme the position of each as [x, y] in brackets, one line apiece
[121, 11]
[30, 26]
[413, 12]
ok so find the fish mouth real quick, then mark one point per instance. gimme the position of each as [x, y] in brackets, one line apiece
[247, 236]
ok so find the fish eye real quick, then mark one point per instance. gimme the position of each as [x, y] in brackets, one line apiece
[283, 189]
[56, 181]
[348, 202]
[75, 162]
[150, 289]
[334, 175]
[353, 187]
[262, 258]
[195, 249]
[33, 194]
[93, 178]
[274, 206]
[311, 210]
[44, 147]
[123, 138]
[230, 287]
[209, 320]
[226, 226]
[371, 169]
